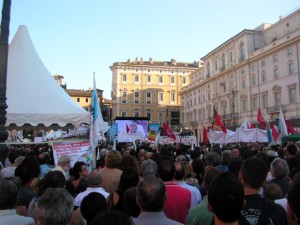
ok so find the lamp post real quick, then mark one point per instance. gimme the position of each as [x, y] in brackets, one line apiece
[233, 107]
[3, 71]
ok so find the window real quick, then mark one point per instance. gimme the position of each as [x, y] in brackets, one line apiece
[277, 98]
[136, 102]
[124, 101]
[78, 99]
[264, 101]
[263, 77]
[224, 108]
[230, 57]
[243, 83]
[124, 78]
[254, 103]
[244, 105]
[136, 114]
[253, 80]
[183, 80]
[148, 78]
[124, 94]
[161, 116]
[216, 65]
[223, 62]
[292, 95]
[291, 68]
[160, 96]
[172, 80]
[136, 94]
[172, 97]
[136, 78]
[148, 94]
[124, 114]
[275, 58]
[148, 114]
[148, 102]
[86, 99]
[289, 52]
[276, 73]
[208, 70]
[242, 52]
[160, 79]
[263, 63]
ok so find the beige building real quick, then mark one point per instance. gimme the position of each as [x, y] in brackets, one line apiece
[150, 89]
[84, 98]
[254, 69]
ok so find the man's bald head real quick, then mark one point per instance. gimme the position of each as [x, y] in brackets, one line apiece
[94, 178]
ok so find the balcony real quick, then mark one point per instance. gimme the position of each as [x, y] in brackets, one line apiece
[276, 109]
[242, 58]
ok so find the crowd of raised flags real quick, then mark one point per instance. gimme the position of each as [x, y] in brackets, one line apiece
[275, 133]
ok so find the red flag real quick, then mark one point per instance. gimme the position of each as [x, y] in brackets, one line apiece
[261, 119]
[274, 132]
[290, 129]
[219, 121]
[168, 132]
[127, 128]
[205, 138]
[251, 126]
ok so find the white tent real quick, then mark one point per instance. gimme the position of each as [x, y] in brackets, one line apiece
[34, 98]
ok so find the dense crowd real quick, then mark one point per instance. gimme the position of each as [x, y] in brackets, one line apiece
[246, 184]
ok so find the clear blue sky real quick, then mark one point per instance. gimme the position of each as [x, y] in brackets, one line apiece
[75, 38]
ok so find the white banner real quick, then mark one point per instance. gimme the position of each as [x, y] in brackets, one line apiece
[240, 135]
[187, 140]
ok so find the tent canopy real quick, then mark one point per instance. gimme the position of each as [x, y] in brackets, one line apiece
[34, 98]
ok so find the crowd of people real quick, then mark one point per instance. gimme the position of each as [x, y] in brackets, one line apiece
[245, 184]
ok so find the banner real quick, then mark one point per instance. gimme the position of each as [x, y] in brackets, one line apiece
[187, 140]
[241, 135]
[77, 150]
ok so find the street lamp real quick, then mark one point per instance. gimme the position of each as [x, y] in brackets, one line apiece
[233, 107]
[3, 72]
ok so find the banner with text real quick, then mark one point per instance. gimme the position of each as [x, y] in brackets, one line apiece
[187, 140]
[77, 150]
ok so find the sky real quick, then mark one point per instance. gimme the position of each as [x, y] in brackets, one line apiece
[76, 38]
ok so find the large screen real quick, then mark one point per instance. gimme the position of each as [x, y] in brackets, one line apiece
[132, 128]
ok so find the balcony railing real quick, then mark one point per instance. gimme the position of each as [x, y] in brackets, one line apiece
[276, 109]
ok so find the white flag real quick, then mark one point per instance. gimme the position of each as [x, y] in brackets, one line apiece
[245, 124]
[98, 127]
[282, 128]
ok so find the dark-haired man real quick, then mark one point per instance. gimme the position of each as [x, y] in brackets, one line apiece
[225, 199]
[151, 197]
[258, 210]
[8, 200]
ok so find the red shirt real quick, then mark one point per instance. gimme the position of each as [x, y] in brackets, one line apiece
[178, 202]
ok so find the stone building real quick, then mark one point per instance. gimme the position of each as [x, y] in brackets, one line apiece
[254, 69]
[150, 89]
